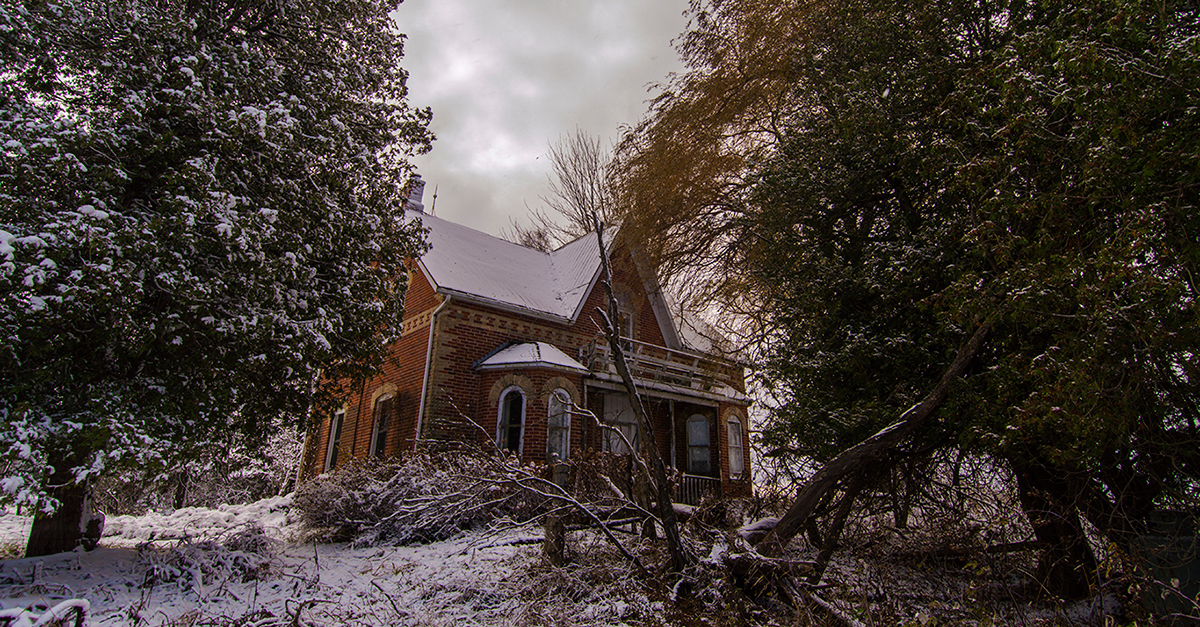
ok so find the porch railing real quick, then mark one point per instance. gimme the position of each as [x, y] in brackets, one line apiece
[649, 362]
[693, 488]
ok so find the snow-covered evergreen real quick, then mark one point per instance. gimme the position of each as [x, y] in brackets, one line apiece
[199, 212]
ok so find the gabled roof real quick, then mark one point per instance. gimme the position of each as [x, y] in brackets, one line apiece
[475, 266]
[472, 264]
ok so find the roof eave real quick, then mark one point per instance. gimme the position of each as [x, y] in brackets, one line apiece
[503, 306]
[542, 365]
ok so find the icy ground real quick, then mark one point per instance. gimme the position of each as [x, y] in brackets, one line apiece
[211, 566]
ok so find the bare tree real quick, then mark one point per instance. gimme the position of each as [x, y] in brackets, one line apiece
[579, 188]
[679, 556]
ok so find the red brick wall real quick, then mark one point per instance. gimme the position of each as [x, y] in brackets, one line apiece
[404, 370]
[459, 407]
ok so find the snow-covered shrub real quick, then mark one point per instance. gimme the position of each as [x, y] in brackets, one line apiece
[200, 564]
[233, 472]
[251, 540]
[418, 498]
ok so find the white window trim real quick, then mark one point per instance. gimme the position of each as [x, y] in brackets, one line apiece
[500, 418]
[741, 470]
[375, 423]
[563, 397]
[335, 422]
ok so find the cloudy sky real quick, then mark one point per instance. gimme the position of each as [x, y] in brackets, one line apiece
[507, 79]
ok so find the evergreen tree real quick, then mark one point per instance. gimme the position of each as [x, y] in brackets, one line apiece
[200, 228]
[877, 177]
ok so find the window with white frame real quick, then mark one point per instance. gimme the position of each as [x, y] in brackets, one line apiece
[625, 319]
[699, 457]
[558, 426]
[737, 461]
[510, 423]
[385, 409]
[335, 435]
[618, 413]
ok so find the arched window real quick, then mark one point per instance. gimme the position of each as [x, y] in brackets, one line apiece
[699, 457]
[511, 420]
[737, 460]
[335, 435]
[385, 410]
[558, 426]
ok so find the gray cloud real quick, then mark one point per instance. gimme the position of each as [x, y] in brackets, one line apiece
[507, 79]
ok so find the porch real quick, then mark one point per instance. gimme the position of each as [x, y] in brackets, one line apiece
[659, 367]
[693, 489]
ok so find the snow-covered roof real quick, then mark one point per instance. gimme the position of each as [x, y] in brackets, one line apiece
[531, 355]
[476, 266]
[466, 262]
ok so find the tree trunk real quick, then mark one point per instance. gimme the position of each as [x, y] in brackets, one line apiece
[854, 457]
[666, 509]
[73, 524]
[1066, 567]
[181, 487]
[555, 542]
[835, 528]
[902, 484]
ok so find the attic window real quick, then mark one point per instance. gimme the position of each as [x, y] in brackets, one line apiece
[625, 316]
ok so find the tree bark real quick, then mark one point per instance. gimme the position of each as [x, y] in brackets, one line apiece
[854, 457]
[73, 524]
[1066, 567]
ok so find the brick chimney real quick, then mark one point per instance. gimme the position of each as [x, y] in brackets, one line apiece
[416, 189]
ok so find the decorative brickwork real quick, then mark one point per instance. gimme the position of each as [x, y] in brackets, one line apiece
[461, 402]
[507, 381]
[555, 383]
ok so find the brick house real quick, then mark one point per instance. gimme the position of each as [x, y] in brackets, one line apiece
[501, 343]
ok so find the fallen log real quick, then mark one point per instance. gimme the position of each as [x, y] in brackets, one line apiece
[860, 454]
[753, 565]
[965, 552]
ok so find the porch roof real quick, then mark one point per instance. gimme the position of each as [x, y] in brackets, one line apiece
[531, 355]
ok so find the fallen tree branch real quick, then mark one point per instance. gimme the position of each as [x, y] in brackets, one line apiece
[522, 478]
[751, 564]
[854, 457]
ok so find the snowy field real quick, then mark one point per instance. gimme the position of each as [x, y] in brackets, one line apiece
[243, 565]
[248, 566]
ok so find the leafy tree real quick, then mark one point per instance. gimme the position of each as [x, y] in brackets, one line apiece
[199, 228]
[872, 179]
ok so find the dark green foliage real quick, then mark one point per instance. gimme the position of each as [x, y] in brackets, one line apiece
[902, 171]
[199, 213]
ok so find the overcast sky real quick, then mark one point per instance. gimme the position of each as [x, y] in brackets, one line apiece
[507, 79]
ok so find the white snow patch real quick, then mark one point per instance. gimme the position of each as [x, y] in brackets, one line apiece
[164, 564]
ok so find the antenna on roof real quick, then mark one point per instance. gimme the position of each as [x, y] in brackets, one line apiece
[433, 205]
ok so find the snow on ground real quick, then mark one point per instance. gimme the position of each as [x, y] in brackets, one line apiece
[246, 565]
[207, 564]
